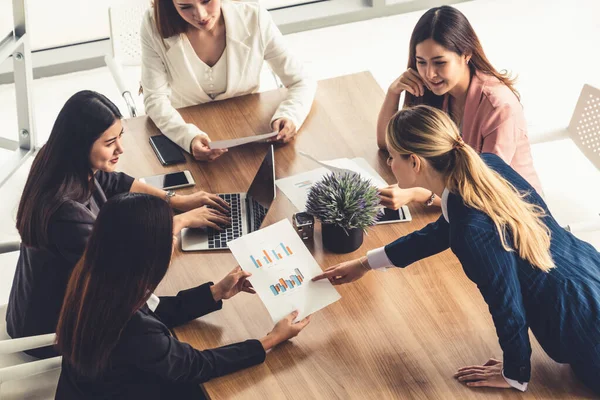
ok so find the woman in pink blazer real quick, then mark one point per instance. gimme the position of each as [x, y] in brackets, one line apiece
[448, 69]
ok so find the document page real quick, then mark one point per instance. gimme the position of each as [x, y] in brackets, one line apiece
[226, 144]
[296, 187]
[282, 269]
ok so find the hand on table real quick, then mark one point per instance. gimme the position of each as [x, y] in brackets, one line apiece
[345, 272]
[486, 375]
[202, 152]
[393, 197]
[233, 283]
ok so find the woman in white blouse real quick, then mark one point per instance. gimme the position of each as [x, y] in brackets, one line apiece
[197, 51]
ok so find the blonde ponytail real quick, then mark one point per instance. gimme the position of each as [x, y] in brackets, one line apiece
[431, 135]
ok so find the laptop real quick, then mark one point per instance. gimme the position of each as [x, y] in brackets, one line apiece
[248, 210]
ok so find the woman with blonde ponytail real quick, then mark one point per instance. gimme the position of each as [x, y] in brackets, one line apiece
[530, 271]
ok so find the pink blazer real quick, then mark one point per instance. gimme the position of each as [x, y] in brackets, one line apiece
[493, 122]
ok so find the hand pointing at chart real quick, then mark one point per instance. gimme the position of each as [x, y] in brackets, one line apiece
[345, 272]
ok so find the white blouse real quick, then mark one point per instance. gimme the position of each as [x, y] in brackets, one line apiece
[212, 80]
[252, 38]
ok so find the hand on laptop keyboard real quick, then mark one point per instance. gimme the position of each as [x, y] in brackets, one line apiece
[202, 198]
[217, 239]
[205, 217]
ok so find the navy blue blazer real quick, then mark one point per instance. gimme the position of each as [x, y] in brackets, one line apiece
[561, 307]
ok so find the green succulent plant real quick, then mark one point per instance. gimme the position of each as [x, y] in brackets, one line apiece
[346, 200]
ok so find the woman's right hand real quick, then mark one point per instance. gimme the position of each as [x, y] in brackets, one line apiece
[411, 81]
[284, 330]
[201, 150]
[393, 197]
[345, 272]
[200, 217]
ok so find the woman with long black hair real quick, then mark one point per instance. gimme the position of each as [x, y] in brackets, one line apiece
[71, 178]
[113, 333]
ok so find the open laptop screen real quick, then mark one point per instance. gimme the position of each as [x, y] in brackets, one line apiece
[262, 191]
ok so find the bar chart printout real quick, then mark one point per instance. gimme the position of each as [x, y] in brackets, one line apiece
[269, 257]
[283, 285]
[282, 269]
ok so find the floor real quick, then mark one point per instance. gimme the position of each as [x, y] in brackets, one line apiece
[549, 44]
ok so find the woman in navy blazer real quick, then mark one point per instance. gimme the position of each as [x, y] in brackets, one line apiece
[114, 334]
[530, 271]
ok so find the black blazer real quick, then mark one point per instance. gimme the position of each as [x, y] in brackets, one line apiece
[561, 307]
[148, 363]
[42, 274]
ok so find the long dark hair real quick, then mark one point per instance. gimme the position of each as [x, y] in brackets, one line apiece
[61, 170]
[126, 257]
[168, 21]
[451, 29]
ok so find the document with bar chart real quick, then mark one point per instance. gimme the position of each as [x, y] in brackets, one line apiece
[282, 269]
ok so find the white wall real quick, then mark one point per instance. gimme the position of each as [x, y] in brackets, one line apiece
[6, 21]
[62, 22]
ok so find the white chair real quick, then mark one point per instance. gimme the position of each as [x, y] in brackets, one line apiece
[23, 376]
[125, 20]
[577, 179]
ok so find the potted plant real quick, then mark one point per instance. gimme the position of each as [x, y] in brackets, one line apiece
[346, 205]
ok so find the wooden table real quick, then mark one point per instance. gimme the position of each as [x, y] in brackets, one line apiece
[394, 334]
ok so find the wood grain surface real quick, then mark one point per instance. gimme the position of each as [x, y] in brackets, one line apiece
[398, 334]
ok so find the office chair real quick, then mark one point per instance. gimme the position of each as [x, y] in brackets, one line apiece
[584, 131]
[125, 19]
[23, 376]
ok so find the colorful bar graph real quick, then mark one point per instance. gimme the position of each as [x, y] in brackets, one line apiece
[304, 183]
[283, 285]
[267, 258]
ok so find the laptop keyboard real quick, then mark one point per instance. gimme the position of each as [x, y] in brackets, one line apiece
[259, 213]
[219, 239]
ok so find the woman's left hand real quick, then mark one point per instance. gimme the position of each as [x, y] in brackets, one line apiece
[286, 129]
[486, 375]
[233, 283]
[200, 198]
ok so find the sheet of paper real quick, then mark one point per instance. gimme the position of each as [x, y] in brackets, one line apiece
[345, 165]
[296, 187]
[282, 269]
[226, 144]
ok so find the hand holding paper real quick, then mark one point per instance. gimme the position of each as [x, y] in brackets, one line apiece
[284, 330]
[226, 144]
[282, 268]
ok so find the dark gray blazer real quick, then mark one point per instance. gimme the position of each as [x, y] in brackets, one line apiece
[148, 363]
[42, 274]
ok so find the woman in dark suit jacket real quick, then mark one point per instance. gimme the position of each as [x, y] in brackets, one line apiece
[71, 178]
[113, 333]
[530, 271]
